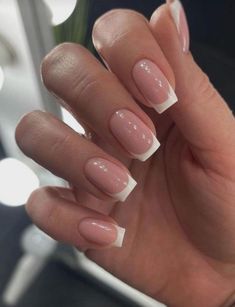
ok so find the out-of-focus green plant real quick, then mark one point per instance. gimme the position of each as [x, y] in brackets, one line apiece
[75, 28]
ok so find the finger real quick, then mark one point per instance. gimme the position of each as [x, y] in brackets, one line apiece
[124, 40]
[96, 97]
[87, 200]
[66, 154]
[65, 221]
[202, 115]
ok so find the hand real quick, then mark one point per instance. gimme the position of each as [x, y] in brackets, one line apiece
[180, 218]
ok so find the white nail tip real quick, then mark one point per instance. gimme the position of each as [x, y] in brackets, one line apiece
[155, 145]
[172, 99]
[120, 236]
[175, 7]
[122, 196]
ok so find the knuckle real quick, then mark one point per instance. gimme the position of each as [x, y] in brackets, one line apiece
[204, 89]
[71, 73]
[33, 200]
[42, 196]
[54, 62]
[25, 127]
[35, 195]
[84, 85]
[59, 145]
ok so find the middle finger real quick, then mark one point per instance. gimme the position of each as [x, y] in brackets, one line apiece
[96, 97]
[124, 40]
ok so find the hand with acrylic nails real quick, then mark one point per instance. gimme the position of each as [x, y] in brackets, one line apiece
[152, 195]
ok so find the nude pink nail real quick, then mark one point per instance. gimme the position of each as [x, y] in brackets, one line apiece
[154, 86]
[179, 17]
[101, 232]
[133, 134]
[109, 178]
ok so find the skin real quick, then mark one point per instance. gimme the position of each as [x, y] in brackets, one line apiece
[179, 244]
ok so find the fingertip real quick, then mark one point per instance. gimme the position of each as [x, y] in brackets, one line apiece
[171, 100]
[170, 18]
[162, 9]
[154, 147]
[123, 195]
[120, 236]
[161, 22]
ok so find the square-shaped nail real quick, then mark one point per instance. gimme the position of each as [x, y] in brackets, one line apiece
[133, 134]
[153, 85]
[102, 232]
[110, 178]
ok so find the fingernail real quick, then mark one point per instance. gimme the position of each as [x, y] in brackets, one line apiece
[154, 86]
[133, 134]
[179, 17]
[109, 178]
[101, 233]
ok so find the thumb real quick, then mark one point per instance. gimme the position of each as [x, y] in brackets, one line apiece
[202, 116]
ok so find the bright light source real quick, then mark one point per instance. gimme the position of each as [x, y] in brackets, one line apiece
[71, 121]
[1, 77]
[61, 10]
[17, 182]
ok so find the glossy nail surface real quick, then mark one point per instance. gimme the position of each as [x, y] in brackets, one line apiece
[109, 178]
[154, 86]
[133, 134]
[101, 232]
[179, 17]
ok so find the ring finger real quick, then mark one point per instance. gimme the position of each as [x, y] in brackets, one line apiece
[72, 157]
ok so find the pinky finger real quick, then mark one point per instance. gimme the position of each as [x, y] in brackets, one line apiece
[54, 211]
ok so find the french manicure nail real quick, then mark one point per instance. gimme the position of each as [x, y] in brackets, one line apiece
[109, 178]
[154, 86]
[179, 17]
[133, 134]
[101, 232]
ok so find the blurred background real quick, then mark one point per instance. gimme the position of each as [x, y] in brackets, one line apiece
[34, 269]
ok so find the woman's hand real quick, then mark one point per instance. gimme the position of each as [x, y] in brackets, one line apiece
[179, 245]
